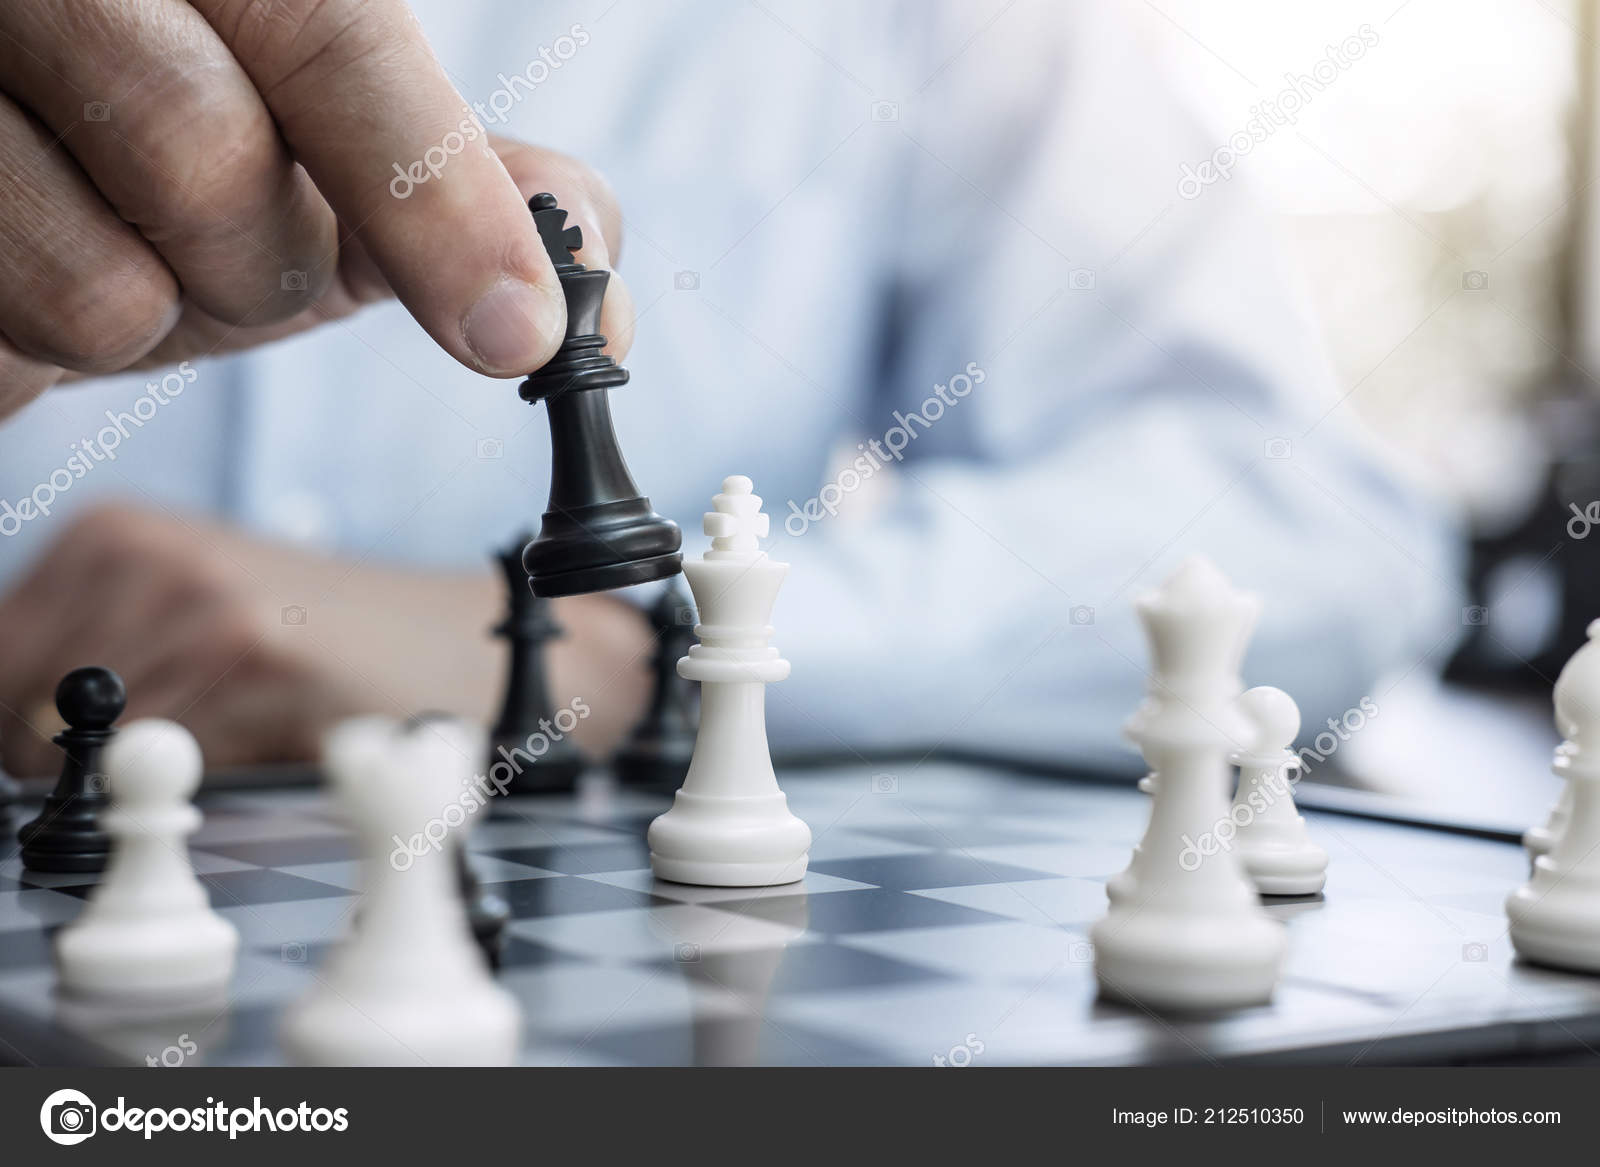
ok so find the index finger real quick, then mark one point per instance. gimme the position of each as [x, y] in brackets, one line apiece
[367, 109]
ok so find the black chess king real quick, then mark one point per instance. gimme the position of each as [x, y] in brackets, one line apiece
[598, 531]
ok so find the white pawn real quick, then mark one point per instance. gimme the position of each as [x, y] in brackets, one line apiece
[1541, 840]
[1555, 916]
[730, 825]
[409, 986]
[148, 932]
[1272, 840]
[1191, 934]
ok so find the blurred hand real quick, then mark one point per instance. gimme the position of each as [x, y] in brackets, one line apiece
[189, 178]
[258, 648]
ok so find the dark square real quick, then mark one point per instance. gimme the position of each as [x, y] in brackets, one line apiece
[289, 852]
[231, 889]
[866, 910]
[565, 896]
[939, 869]
[804, 968]
[581, 858]
[515, 952]
[29, 948]
[62, 881]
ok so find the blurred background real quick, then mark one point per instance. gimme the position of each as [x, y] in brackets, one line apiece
[1439, 197]
[1437, 194]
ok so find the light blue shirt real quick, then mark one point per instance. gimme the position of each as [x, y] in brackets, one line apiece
[838, 216]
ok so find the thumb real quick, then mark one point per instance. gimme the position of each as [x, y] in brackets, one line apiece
[367, 109]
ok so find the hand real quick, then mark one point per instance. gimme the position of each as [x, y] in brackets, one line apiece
[258, 648]
[189, 178]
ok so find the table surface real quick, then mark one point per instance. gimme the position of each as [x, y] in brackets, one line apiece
[945, 916]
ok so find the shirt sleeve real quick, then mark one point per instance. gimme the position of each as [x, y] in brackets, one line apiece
[1087, 374]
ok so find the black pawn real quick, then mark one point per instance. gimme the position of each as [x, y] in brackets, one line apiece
[526, 750]
[598, 531]
[67, 836]
[487, 912]
[657, 752]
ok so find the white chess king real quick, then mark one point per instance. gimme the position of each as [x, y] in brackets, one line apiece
[1555, 916]
[730, 825]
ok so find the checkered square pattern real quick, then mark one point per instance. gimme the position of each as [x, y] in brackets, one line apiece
[944, 920]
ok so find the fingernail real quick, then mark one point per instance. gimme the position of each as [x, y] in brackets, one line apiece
[508, 329]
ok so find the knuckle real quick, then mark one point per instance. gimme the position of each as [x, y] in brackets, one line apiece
[107, 321]
[213, 156]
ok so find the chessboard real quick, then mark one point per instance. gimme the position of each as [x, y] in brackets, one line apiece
[944, 921]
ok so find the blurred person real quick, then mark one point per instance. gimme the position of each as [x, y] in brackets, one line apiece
[922, 271]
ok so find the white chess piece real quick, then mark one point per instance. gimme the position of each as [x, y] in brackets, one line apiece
[730, 825]
[1192, 934]
[1122, 885]
[1555, 916]
[148, 932]
[1541, 840]
[1272, 840]
[409, 986]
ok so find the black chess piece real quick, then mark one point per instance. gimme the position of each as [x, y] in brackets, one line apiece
[67, 836]
[657, 752]
[487, 911]
[598, 531]
[526, 713]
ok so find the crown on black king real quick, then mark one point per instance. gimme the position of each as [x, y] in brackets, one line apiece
[598, 531]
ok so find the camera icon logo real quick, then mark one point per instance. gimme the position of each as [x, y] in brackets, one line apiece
[1474, 281]
[1081, 614]
[97, 111]
[686, 281]
[293, 616]
[1475, 614]
[884, 784]
[686, 953]
[294, 952]
[67, 1117]
[295, 281]
[97, 784]
[683, 615]
[1081, 279]
[1475, 952]
[1081, 952]
[885, 111]
[489, 449]
[1278, 450]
